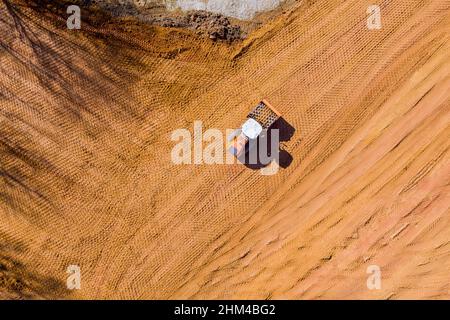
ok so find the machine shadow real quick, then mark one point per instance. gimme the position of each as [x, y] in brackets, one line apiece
[263, 143]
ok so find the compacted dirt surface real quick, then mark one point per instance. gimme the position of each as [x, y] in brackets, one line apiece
[86, 176]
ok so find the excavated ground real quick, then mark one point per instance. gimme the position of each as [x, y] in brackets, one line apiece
[212, 25]
[86, 176]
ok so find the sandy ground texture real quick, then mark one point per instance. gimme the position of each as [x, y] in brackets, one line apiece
[86, 176]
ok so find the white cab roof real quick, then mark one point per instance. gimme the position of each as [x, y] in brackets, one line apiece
[251, 128]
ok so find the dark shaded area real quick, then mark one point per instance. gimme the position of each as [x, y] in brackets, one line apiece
[64, 84]
[54, 63]
[55, 86]
[285, 131]
[20, 281]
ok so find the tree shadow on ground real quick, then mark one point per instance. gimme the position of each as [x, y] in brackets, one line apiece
[69, 81]
[18, 281]
[56, 85]
[56, 53]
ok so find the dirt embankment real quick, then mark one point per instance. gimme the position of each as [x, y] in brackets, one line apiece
[211, 25]
[86, 176]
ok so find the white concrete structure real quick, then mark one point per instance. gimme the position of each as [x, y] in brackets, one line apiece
[241, 9]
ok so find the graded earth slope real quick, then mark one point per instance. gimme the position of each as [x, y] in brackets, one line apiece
[86, 176]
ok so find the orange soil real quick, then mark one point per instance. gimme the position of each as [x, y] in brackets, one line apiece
[86, 176]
